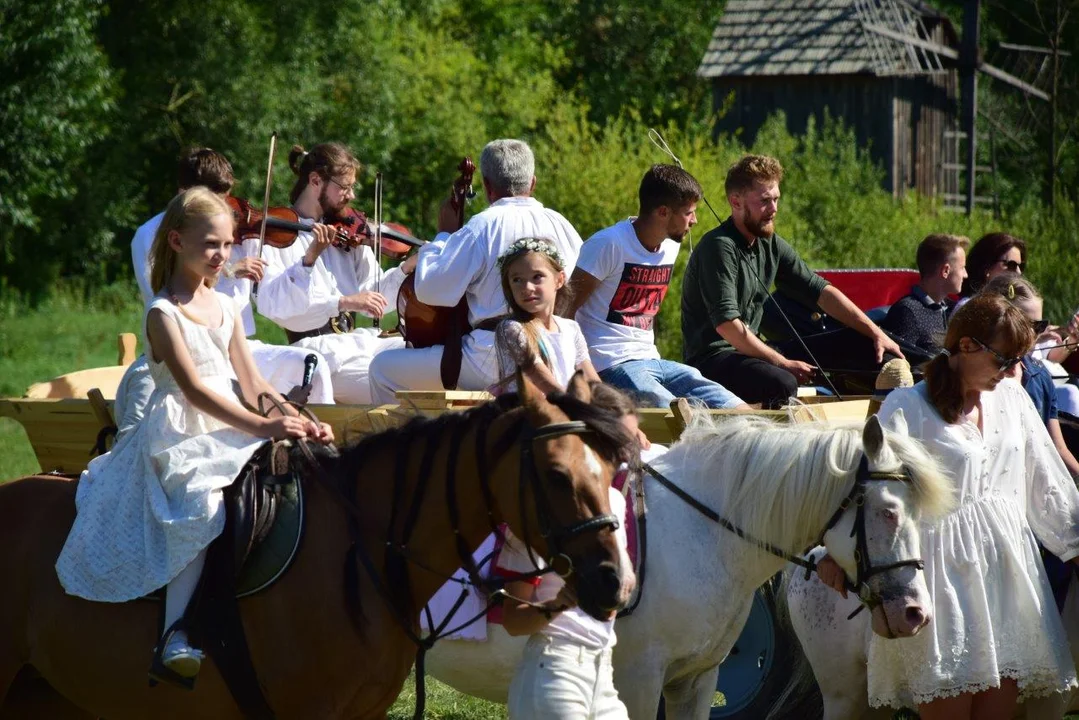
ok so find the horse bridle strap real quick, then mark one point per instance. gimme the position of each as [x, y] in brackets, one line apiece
[543, 508]
[864, 566]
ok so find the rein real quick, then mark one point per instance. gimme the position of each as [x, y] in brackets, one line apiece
[856, 497]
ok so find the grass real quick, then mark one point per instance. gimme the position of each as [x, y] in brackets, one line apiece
[444, 703]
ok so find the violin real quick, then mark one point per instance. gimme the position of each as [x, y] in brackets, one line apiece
[352, 229]
[424, 325]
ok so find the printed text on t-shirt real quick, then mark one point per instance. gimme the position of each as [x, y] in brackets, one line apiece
[639, 294]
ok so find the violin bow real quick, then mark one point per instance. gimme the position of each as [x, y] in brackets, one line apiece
[661, 143]
[266, 195]
[378, 243]
[265, 205]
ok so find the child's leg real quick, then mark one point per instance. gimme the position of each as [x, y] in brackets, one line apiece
[607, 704]
[178, 655]
[554, 680]
[181, 588]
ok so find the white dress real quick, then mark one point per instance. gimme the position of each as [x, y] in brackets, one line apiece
[993, 611]
[562, 350]
[146, 509]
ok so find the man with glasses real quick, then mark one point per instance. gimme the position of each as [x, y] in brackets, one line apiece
[314, 289]
[920, 319]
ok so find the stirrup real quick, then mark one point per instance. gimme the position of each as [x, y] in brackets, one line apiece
[181, 668]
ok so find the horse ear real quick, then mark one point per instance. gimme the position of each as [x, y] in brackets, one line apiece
[873, 437]
[579, 387]
[530, 394]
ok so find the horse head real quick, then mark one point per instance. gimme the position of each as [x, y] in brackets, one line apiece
[875, 536]
[569, 457]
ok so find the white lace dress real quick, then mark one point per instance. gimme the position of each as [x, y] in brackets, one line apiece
[145, 509]
[993, 612]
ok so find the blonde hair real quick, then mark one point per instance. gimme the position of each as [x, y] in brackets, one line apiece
[750, 171]
[195, 202]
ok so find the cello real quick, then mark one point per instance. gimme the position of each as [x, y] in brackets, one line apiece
[424, 325]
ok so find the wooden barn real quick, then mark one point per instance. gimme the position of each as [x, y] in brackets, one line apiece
[854, 59]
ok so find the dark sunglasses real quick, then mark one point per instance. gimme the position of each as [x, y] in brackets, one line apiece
[1039, 326]
[1004, 363]
[1013, 266]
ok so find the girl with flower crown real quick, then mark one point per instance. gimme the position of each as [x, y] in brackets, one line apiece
[565, 671]
[547, 348]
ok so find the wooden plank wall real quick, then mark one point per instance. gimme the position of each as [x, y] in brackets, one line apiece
[900, 119]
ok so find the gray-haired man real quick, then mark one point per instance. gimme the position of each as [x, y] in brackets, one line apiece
[464, 265]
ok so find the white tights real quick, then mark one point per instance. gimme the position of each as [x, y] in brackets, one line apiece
[181, 588]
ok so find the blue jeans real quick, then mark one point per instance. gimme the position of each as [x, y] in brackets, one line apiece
[654, 383]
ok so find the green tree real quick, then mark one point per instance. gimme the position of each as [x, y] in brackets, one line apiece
[56, 102]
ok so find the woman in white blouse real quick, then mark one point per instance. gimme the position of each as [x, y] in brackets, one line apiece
[996, 635]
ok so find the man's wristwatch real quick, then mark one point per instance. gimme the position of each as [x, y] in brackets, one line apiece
[229, 270]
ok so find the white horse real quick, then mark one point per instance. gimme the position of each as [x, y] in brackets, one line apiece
[781, 484]
[836, 648]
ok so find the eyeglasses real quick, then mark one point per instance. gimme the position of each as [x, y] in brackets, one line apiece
[345, 188]
[1003, 363]
[1013, 266]
[1039, 326]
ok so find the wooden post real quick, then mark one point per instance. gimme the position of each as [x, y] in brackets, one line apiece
[125, 345]
[968, 80]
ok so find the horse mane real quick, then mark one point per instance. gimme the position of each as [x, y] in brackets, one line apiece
[781, 482]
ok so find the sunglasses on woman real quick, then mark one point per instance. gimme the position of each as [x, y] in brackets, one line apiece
[1003, 363]
[1013, 266]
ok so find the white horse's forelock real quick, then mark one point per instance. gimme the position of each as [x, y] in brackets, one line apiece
[781, 482]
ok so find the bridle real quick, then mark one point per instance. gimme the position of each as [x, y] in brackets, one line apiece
[864, 566]
[558, 560]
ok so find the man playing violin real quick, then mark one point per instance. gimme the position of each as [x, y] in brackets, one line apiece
[464, 265]
[314, 287]
[282, 366]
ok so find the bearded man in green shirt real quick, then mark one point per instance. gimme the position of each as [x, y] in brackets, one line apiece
[728, 279]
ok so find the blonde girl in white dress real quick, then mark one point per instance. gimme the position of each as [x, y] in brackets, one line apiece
[147, 510]
[996, 635]
[547, 348]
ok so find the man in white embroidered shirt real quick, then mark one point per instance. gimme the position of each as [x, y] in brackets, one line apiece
[314, 288]
[464, 265]
[622, 276]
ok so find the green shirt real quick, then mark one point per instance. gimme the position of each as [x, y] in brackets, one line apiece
[721, 284]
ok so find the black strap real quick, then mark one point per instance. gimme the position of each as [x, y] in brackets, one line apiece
[715, 517]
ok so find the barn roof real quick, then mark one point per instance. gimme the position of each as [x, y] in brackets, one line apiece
[820, 37]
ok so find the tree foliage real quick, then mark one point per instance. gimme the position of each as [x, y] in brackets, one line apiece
[99, 97]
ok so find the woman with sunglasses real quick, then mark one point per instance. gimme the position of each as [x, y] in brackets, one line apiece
[1036, 377]
[995, 635]
[994, 254]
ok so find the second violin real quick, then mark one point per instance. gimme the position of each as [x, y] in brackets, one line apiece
[352, 228]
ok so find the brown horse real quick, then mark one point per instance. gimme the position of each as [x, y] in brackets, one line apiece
[543, 466]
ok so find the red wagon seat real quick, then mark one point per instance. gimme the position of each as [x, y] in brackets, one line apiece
[871, 288]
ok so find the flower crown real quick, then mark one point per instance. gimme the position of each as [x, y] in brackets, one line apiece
[531, 245]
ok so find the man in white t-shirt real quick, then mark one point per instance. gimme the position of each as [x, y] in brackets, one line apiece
[465, 265]
[622, 276]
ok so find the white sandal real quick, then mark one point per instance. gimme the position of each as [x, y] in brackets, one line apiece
[180, 657]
